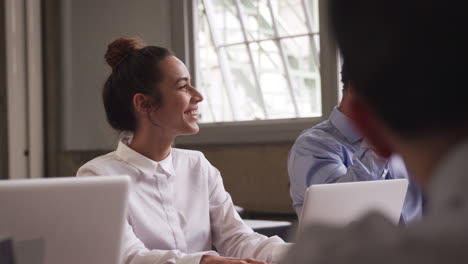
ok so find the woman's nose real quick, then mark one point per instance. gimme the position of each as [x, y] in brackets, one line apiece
[196, 95]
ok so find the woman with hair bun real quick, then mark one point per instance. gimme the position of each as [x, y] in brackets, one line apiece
[178, 209]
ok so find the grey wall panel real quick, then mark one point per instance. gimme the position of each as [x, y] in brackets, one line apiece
[88, 26]
[3, 110]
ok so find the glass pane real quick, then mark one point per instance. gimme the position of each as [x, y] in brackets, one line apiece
[305, 75]
[314, 13]
[226, 24]
[317, 43]
[248, 100]
[272, 80]
[290, 17]
[257, 18]
[215, 107]
[340, 83]
[260, 90]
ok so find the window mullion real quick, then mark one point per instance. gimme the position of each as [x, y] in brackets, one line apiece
[307, 13]
[252, 64]
[283, 59]
[267, 39]
[222, 60]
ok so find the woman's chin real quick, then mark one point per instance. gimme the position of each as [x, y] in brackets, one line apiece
[195, 131]
[191, 130]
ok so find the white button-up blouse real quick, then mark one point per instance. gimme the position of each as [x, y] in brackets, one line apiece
[178, 210]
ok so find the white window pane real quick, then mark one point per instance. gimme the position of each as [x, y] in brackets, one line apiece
[305, 74]
[258, 24]
[205, 113]
[241, 86]
[216, 98]
[317, 43]
[309, 96]
[273, 83]
[227, 24]
[340, 83]
[314, 13]
[248, 99]
[290, 17]
[266, 56]
[277, 98]
[216, 106]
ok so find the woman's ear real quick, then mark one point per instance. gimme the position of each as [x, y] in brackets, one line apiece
[370, 126]
[142, 103]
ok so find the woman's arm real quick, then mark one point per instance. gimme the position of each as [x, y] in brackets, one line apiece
[231, 236]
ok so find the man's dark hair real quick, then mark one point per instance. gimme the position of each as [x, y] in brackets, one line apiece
[407, 60]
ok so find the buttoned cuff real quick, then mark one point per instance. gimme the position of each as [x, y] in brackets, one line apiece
[195, 258]
[280, 251]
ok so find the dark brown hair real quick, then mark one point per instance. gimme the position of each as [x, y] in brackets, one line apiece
[135, 69]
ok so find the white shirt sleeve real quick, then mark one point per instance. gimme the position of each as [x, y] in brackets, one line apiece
[231, 236]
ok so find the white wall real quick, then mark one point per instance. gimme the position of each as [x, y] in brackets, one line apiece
[88, 26]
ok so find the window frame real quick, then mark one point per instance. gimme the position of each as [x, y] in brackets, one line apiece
[257, 131]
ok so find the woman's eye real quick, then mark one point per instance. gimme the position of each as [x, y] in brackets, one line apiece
[183, 87]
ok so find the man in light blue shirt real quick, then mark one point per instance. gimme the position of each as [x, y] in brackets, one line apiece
[333, 151]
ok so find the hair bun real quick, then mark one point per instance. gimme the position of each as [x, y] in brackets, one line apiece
[121, 48]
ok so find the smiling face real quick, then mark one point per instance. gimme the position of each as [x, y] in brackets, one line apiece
[178, 113]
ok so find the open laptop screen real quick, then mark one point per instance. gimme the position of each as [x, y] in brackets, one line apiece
[342, 203]
[64, 220]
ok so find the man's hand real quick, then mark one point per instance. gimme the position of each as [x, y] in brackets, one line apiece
[207, 259]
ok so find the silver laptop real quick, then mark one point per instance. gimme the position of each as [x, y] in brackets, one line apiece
[64, 220]
[339, 204]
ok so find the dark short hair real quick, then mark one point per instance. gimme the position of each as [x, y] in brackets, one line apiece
[407, 60]
[135, 69]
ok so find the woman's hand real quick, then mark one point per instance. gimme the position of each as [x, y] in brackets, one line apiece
[207, 259]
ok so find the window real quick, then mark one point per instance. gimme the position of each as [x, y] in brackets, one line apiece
[259, 67]
[259, 59]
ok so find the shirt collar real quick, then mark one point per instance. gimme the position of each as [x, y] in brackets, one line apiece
[141, 162]
[344, 125]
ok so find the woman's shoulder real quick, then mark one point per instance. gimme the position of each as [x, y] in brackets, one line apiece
[103, 159]
[194, 161]
[100, 165]
[188, 155]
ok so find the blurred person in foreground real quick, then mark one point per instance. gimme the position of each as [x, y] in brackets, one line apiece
[407, 62]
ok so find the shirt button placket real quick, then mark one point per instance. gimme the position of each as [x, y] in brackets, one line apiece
[172, 218]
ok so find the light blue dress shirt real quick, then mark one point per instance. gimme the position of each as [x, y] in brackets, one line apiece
[333, 151]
